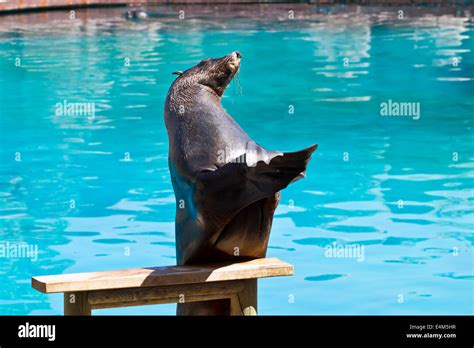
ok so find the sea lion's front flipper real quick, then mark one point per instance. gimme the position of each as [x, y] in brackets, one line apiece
[222, 193]
[290, 166]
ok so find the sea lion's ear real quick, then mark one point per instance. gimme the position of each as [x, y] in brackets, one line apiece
[177, 72]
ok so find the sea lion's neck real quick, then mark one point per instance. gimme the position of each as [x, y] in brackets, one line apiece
[216, 94]
[184, 96]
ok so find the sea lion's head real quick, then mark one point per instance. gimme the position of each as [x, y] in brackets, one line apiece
[215, 73]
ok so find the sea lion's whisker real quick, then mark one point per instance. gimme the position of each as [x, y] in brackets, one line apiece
[236, 86]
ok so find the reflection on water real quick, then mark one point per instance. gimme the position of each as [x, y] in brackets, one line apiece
[94, 193]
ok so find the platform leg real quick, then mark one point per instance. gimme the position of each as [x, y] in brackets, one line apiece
[245, 302]
[75, 303]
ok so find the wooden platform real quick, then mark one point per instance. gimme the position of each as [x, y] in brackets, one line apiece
[172, 284]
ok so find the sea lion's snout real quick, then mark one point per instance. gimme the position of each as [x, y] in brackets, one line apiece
[236, 55]
[234, 60]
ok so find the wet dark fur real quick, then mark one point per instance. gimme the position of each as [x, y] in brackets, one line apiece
[224, 207]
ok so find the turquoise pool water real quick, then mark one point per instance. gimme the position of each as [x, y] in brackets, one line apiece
[93, 192]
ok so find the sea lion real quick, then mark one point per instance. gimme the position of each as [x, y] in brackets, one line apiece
[226, 186]
[136, 13]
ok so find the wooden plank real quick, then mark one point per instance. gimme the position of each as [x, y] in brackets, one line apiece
[196, 298]
[158, 276]
[76, 304]
[176, 293]
[165, 294]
